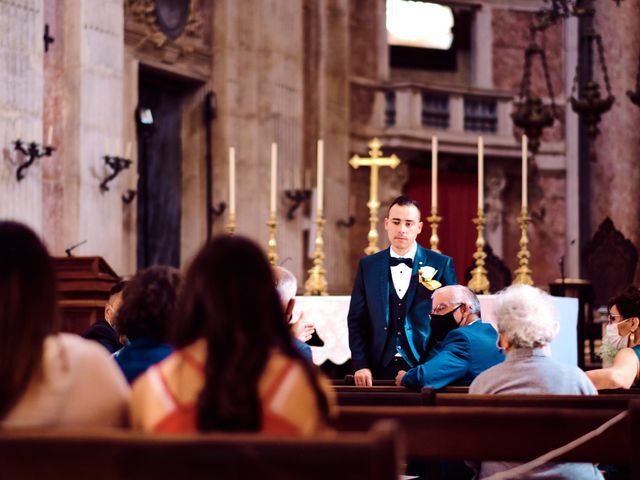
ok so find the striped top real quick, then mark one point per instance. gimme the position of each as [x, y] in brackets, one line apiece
[164, 399]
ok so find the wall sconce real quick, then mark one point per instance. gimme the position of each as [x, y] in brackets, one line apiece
[31, 150]
[296, 196]
[117, 164]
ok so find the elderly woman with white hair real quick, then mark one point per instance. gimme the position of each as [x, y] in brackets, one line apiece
[526, 321]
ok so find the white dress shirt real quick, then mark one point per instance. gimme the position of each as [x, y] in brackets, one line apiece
[401, 274]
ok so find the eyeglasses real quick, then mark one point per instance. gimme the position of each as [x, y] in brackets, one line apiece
[442, 307]
[612, 319]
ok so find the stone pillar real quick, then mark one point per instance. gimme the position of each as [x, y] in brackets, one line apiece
[615, 176]
[482, 49]
[21, 94]
[93, 99]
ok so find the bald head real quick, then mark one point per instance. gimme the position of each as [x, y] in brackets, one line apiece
[286, 284]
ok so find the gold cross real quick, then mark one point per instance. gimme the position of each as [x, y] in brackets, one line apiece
[374, 161]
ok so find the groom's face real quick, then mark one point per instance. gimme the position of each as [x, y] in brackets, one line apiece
[403, 226]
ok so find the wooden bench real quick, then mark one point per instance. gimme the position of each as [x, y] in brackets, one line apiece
[391, 395]
[58, 455]
[506, 433]
[606, 401]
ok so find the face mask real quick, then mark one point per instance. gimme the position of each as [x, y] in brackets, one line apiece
[612, 336]
[441, 325]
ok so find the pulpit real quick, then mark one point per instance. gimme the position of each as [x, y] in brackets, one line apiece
[83, 288]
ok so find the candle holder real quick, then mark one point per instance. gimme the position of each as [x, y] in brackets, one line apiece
[32, 151]
[523, 272]
[479, 282]
[230, 227]
[372, 236]
[316, 284]
[117, 164]
[272, 255]
[434, 219]
[297, 196]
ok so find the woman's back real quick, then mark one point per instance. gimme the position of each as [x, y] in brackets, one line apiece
[164, 399]
[78, 385]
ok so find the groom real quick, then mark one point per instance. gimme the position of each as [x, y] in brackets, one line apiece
[389, 311]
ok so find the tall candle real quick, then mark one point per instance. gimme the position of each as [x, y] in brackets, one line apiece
[434, 172]
[232, 181]
[50, 135]
[128, 154]
[480, 173]
[320, 175]
[117, 151]
[106, 146]
[274, 172]
[19, 130]
[525, 149]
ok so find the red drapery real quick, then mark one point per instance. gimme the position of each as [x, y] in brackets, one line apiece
[457, 205]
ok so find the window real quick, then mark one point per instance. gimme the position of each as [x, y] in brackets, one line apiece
[480, 114]
[435, 110]
[419, 24]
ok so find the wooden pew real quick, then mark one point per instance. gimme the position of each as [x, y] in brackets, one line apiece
[606, 401]
[58, 455]
[505, 433]
[390, 395]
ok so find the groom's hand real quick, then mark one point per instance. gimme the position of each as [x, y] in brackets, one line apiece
[399, 377]
[363, 378]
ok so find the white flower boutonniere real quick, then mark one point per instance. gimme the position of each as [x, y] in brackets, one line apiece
[425, 277]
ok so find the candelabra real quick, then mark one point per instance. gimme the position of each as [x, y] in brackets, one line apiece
[479, 282]
[297, 196]
[523, 272]
[32, 151]
[316, 284]
[271, 250]
[434, 220]
[117, 164]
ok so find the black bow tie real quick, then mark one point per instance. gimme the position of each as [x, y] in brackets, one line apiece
[393, 261]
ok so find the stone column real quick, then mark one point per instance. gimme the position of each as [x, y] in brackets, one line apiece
[482, 49]
[21, 93]
[93, 98]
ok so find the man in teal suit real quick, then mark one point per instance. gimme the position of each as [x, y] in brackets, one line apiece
[465, 346]
[389, 312]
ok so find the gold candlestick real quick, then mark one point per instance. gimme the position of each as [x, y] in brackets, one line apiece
[434, 220]
[271, 249]
[316, 284]
[230, 227]
[479, 282]
[523, 272]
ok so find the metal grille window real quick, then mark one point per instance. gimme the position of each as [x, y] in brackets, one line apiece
[435, 110]
[390, 108]
[480, 114]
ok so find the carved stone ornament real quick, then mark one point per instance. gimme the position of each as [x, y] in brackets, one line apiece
[168, 21]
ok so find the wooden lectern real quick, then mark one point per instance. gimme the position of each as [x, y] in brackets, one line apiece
[83, 287]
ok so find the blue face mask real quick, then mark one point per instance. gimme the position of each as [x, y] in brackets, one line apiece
[441, 325]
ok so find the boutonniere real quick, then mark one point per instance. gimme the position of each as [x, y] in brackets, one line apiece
[425, 277]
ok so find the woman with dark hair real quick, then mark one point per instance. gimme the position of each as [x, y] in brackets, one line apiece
[148, 303]
[47, 379]
[622, 331]
[236, 368]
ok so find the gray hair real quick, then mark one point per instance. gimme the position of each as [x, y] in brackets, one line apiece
[285, 283]
[526, 316]
[462, 294]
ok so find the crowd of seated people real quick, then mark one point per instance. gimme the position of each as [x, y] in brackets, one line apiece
[214, 350]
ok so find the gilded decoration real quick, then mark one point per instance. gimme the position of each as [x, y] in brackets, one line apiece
[167, 22]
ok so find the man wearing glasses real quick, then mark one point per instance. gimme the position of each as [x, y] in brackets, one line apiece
[465, 345]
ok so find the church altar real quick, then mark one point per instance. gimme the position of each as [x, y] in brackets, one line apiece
[329, 314]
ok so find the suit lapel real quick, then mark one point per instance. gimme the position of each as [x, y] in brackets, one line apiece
[382, 272]
[418, 262]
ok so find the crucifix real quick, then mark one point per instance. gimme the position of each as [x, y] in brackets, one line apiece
[374, 161]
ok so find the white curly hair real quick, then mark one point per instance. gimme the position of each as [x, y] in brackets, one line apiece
[526, 316]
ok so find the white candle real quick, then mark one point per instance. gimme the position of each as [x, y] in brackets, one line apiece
[320, 175]
[525, 149]
[274, 172]
[232, 181]
[34, 131]
[105, 140]
[434, 172]
[50, 135]
[480, 173]
[117, 151]
[19, 130]
[128, 154]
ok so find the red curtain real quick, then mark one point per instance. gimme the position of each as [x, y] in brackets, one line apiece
[457, 205]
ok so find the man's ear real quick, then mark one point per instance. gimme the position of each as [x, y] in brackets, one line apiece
[289, 310]
[419, 227]
[108, 311]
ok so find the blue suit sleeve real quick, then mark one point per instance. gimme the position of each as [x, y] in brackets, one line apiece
[449, 273]
[359, 323]
[448, 365]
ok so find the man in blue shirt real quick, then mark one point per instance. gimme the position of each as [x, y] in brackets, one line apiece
[465, 345]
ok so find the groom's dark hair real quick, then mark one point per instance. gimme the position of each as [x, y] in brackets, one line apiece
[404, 201]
